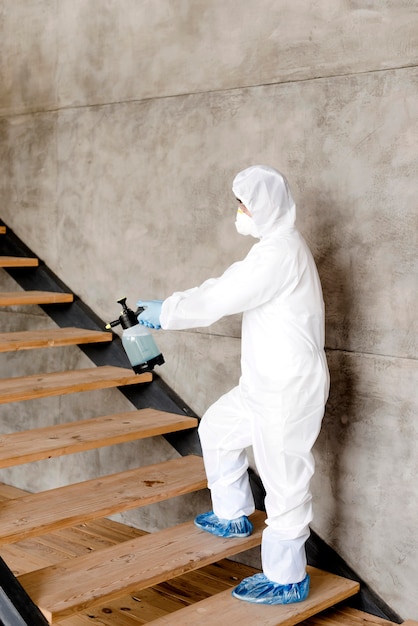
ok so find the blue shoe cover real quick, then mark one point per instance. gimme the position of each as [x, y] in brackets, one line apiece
[260, 590]
[239, 527]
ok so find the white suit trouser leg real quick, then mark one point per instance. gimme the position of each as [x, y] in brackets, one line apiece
[225, 433]
[282, 439]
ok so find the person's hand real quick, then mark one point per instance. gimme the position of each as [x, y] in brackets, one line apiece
[150, 316]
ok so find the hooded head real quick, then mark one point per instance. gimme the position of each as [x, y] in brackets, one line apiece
[265, 193]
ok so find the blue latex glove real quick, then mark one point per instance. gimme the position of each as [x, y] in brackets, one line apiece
[151, 315]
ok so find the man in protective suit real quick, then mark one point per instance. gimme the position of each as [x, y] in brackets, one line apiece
[278, 405]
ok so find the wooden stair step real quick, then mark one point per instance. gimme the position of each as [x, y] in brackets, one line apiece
[326, 590]
[52, 441]
[61, 383]
[74, 585]
[12, 298]
[343, 616]
[51, 337]
[47, 511]
[18, 261]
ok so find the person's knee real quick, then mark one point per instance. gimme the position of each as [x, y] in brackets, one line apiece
[206, 433]
[208, 424]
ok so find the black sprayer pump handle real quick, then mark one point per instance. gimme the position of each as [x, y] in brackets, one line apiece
[127, 318]
[139, 310]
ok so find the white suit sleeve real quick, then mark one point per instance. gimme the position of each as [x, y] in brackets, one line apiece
[243, 286]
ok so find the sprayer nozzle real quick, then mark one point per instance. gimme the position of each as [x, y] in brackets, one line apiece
[112, 324]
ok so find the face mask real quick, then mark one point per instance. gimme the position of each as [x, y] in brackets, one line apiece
[245, 224]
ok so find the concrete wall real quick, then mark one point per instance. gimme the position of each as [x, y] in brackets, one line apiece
[122, 126]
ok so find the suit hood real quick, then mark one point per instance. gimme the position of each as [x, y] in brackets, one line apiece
[266, 194]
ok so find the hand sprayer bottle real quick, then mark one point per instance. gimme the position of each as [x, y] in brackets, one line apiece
[137, 340]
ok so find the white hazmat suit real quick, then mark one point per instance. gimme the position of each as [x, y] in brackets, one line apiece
[278, 405]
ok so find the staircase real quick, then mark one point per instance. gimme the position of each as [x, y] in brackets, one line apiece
[62, 590]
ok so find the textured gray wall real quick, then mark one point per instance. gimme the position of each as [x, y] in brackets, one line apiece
[122, 125]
